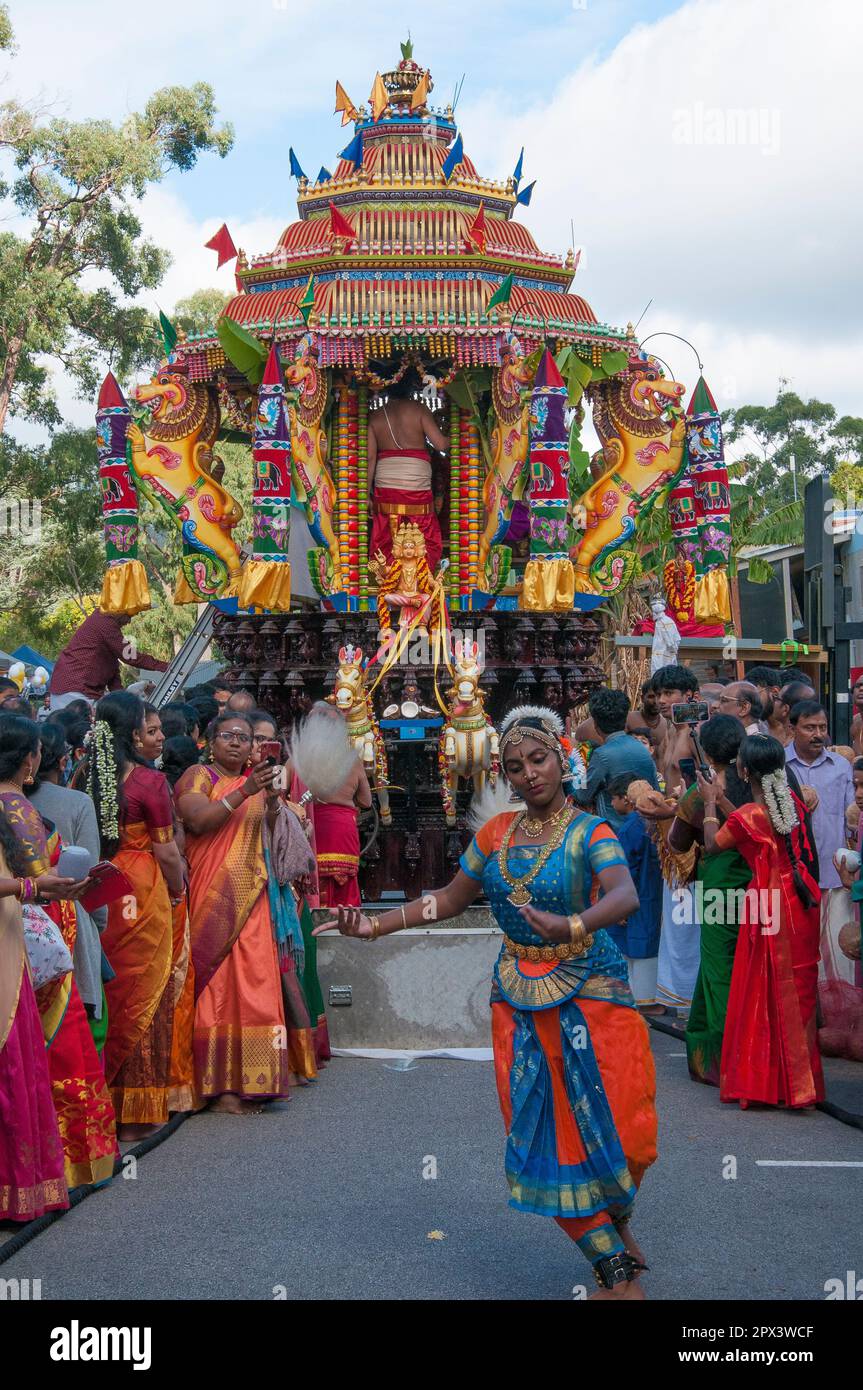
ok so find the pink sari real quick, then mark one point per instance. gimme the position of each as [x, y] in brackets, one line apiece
[32, 1180]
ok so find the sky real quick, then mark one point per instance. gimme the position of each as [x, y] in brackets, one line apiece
[704, 154]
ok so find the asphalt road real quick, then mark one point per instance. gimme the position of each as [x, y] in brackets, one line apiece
[325, 1197]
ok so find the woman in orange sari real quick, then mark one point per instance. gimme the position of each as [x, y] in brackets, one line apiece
[770, 1048]
[133, 807]
[84, 1112]
[240, 1039]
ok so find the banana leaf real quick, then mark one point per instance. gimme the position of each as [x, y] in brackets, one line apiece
[610, 365]
[243, 350]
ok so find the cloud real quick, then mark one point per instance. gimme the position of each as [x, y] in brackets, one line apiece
[705, 157]
[706, 164]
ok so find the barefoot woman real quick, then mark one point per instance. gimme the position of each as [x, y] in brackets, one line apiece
[239, 1017]
[572, 1059]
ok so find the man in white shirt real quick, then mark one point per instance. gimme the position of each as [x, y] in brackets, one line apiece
[741, 699]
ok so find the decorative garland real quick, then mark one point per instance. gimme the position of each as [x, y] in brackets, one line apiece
[454, 489]
[102, 761]
[680, 595]
[779, 802]
[362, 494]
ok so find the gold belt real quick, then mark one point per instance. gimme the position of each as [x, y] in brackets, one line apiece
[565, 951]
[404, 508]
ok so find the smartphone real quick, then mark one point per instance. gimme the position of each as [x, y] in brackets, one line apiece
[687, 769]
[693, 712]
[271, 751]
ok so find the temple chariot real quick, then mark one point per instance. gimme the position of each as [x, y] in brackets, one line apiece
[406, 264]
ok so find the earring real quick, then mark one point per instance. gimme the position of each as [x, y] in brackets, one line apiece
[28, 781]
[514, 795]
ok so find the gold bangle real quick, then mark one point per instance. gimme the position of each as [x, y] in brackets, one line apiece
[404, 922]
[376, 928]
[577, 931]
[708, 820]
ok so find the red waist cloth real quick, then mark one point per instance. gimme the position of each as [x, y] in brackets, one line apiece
[337, 843]
[403, 454]
[418, 508]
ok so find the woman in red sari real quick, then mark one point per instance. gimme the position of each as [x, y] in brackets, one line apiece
[133, 807]
[85, 1115]
[770, 1049]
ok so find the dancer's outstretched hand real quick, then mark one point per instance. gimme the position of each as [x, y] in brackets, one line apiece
[350, 922]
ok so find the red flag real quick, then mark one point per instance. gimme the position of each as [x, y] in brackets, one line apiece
[477, 229]
[339, 225]
[223, 244]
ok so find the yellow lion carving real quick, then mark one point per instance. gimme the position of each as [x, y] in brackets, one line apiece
[172, 459]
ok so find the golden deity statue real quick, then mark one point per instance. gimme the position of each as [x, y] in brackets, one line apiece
[406, 582]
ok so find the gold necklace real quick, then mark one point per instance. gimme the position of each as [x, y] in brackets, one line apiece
[518, 882]
[533, 826]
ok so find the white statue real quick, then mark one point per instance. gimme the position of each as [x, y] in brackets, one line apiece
[666, 637]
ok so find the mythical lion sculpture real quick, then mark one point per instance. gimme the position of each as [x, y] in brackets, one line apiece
[642, 431]
[312, 481]
[507, 476]
[172, 459]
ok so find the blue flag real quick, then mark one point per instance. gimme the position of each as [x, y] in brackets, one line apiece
[454, 158]
[518, 168]
[353, 152]
[296, 171]
[324, 176]
[526, 194]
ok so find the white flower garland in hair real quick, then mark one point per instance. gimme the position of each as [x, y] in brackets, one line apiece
[779, 802]
[102, 758]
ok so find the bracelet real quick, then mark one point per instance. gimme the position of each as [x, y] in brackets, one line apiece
[226, 803]
[404, 922]
[376, 929]
[577, 932]
[708, 820]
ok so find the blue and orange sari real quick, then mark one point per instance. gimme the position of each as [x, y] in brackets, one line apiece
[573, 1065]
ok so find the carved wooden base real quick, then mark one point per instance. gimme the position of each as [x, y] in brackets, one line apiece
[289, 661]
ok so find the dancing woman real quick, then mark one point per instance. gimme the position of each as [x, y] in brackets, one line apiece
[770, 1050]
[573, 1065]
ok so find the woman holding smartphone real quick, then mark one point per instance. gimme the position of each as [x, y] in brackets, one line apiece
[240, 1036]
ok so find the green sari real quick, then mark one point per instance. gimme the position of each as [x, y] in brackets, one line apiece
[719, 874]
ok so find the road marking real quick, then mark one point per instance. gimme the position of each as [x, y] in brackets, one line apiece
[806, 1163]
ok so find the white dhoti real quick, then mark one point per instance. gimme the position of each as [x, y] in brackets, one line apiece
[679, 949]
[642, 979]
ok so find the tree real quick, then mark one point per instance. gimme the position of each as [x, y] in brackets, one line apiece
[76, 184]
[786, 444]
[198, 311]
